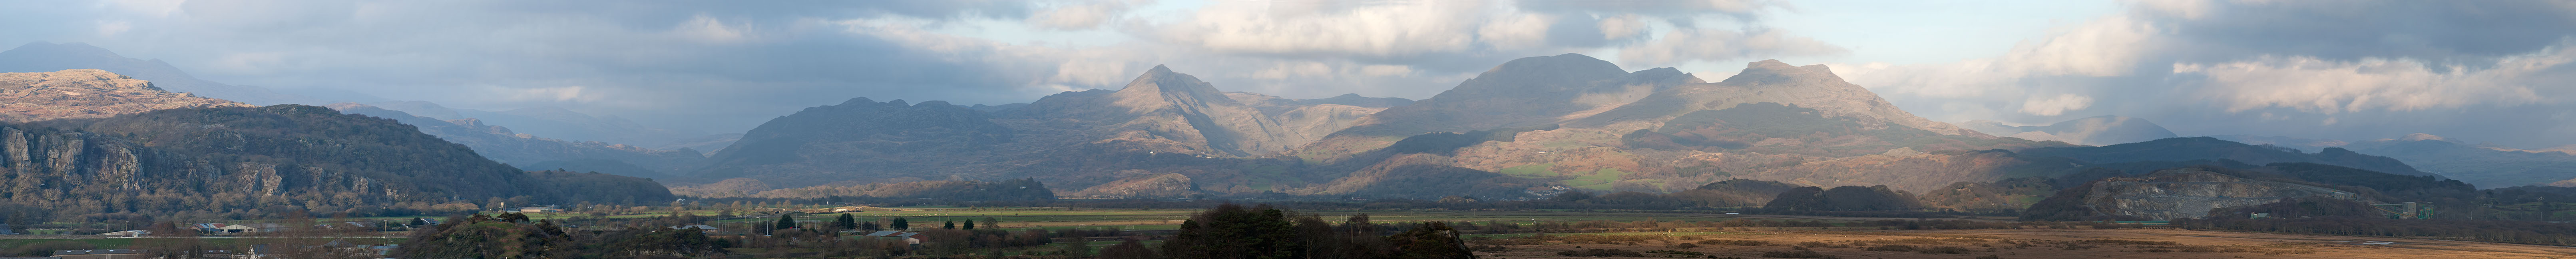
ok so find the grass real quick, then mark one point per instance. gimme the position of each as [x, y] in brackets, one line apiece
[1601, 180]
[1546, 169]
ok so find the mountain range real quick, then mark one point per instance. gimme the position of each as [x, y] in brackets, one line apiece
[2096, 131]
[1531, 124]
[2483, 165]
[1525, 127]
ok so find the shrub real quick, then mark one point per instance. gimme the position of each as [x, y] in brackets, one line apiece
[1797, 253]
[1597, 252]
[1739, 242]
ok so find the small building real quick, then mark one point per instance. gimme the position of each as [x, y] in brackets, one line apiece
[907, 237]
[237, 229]
[101, 254]
[128, 233]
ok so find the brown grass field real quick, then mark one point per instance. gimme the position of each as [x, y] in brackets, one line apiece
[2030, 243]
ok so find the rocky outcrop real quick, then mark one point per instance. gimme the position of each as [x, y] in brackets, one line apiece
[1147, 185]
[2097, 131]
[2190, 193]
[88, 93]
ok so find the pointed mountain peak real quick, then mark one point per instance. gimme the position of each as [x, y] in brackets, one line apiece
[1161, 80]
[859, 100]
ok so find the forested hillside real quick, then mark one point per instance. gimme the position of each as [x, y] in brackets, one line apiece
[236, 161]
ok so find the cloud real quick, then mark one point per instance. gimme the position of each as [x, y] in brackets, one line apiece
[2370, 68]
[1675, 47]
[1080, 16]
[2053, 106]
[2315, 85]
[727, 66]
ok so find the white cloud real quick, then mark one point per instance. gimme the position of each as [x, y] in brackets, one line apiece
[1621, 27]
[705, 29]
[1378, 30]
[2052, 106]
[1518, 31]
[1675, 47]
[1081, 16]
[2315, 85]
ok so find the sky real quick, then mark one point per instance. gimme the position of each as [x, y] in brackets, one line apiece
[2481, 71]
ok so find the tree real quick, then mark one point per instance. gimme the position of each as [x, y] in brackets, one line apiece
[950, 225]
[900, 223]
[786, 222]
[1233, 231]
[1075, 247]
[1131, 249]
[1431, 240]
[970, 225]
[847, 221]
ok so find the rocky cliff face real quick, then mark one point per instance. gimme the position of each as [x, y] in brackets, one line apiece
[503, 145]
[88, 93]
[2190, 193]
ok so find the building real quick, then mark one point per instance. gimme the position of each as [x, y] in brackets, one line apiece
[101, 254]
[129, 233]
[907, 237]
[236, 229]
[5, 230]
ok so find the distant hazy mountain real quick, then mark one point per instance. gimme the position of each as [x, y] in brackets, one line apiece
[2094, 131]
[214, 160]
[88, 93]
[48, 57]
[2484, 166]
[537, 153]
[557, 123]
[1529, 125]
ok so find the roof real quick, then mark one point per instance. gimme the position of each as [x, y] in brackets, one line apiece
[884, 233]
[237, 226]
[703, 227]
[98, 252]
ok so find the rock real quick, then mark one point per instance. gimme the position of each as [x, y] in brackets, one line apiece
[88, 93]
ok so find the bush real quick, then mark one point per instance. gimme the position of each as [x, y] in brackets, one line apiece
[47, 248]
[1823, 244]
[1798, 253]
[1739, 242]
[1597, 252]
[1892, 248]
[1944, 250]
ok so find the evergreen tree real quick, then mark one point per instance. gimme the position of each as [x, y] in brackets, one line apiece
[847, 222]
[950, 225]
[900, 223]
[786, 222]
[970, 225]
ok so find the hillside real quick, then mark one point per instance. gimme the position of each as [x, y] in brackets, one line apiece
[1524, 128]
[537, 153]
[558, 123]
[242, 159]
[2484, 166]
[2095, 131]
[88, 93]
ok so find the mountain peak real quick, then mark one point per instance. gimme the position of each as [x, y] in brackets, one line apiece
[1774, 71]
[1163, 82]
[2422, 136]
